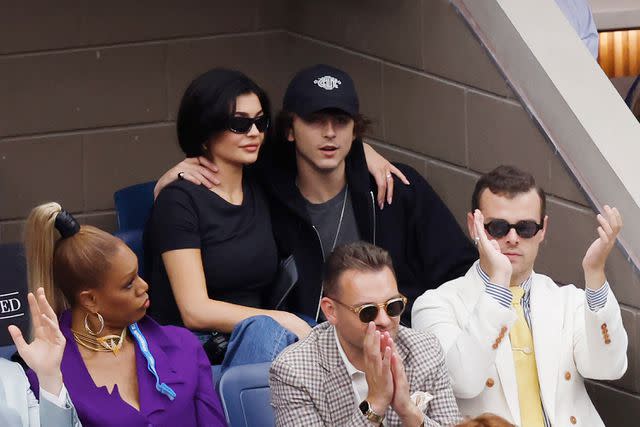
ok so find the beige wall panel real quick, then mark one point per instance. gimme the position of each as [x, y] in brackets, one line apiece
[454, 186]
[273, 14]
[616, 408]
[623, 278]
[562, 184]
[365, 72]
[570, 232]
[122, 21]
[41, 25]
[33, 171]
[188, 59]
[12, 232]
[501, 132]
[424, 115]
[394, 154]
[82, 89]
[630, 380]
[450, 50]
[103, 220]
[386, 29]
[116, 159]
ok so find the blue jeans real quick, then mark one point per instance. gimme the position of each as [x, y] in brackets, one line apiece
[256, 339]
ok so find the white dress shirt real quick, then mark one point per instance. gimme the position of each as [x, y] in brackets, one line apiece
[358, 379]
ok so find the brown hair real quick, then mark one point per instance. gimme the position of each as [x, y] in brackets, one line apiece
[284, 122]
[508, 181]
[64, 266]
[486, 420]
[360, 256]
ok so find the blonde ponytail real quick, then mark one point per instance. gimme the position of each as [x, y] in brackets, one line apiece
[40, 241]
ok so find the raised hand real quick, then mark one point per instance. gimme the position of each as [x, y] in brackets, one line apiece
[44, 354]
[594, 260]
[492, 260]
[377, 369]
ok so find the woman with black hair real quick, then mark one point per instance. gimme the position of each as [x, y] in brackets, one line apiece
[213, 253]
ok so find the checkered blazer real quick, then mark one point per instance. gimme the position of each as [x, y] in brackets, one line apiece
[310, 385]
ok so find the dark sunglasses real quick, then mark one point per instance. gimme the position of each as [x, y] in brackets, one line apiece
[368, 312]
[499, 228]
[239, 124]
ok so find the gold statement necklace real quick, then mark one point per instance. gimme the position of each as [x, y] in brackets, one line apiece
[112, 343]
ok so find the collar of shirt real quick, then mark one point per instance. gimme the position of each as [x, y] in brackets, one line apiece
[526, 285]
[358, 379]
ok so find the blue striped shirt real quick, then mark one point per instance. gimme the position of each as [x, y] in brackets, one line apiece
[595, 300]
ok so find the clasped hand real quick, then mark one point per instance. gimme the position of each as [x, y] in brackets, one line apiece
[386, 377]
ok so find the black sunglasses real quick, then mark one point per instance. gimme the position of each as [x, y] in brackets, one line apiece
[499, 228]
[240, 124]
[368, 312]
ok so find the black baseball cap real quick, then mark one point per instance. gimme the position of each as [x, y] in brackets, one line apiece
[318, 88]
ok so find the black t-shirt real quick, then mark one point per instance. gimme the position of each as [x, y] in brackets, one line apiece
[239, 253]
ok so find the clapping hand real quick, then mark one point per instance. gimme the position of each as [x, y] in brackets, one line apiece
[492, 260]
[594, 260]
[377, 368]
[44, 353]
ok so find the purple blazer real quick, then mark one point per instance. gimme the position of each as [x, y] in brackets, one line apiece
[180, 362]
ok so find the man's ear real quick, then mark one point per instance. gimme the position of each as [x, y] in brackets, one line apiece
[329, 309]
[471, 225]
[543, 232]
[87, 300]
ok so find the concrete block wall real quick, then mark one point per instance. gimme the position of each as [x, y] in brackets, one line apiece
[440, 105]
[90, 98]
[90, 93]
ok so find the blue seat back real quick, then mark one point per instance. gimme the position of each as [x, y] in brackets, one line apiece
[245, 395]
[7, 351]
[134, 239]
[133, 205]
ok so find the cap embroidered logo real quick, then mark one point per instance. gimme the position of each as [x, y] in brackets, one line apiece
[327, 82]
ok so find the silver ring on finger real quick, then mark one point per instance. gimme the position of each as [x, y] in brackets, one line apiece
[180, 175]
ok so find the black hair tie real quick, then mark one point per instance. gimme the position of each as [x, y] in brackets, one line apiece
[66, 224]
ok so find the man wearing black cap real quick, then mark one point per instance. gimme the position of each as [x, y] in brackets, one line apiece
[322, 195]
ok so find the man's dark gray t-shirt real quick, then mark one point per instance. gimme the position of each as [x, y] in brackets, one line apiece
[325, 217]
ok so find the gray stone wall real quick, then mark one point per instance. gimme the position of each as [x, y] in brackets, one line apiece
[90, 94]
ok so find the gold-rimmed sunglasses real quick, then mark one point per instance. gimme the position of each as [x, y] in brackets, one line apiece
[368, 312]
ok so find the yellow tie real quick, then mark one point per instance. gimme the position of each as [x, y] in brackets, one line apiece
[524, 359]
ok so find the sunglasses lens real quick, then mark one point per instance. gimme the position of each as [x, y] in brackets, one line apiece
[497, 228]
[395, 308]
[240, 124]
[368, 313]
[526, 229]
[262, 123]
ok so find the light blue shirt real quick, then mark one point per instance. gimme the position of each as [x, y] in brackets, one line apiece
[578, 13]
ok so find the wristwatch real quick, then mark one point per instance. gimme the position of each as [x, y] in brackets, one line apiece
[367, 411]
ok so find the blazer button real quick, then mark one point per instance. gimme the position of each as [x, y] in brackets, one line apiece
[567, 375]
[494, 346]
[573, 419]
[503, 330]
[603, 326]
[490, 382]
[607, 341]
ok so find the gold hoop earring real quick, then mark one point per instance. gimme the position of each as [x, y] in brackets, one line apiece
[88, 328]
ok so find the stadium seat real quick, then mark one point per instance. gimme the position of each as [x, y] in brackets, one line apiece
[134, 239]
[7, 351]
[245, 395]
[133, 205]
